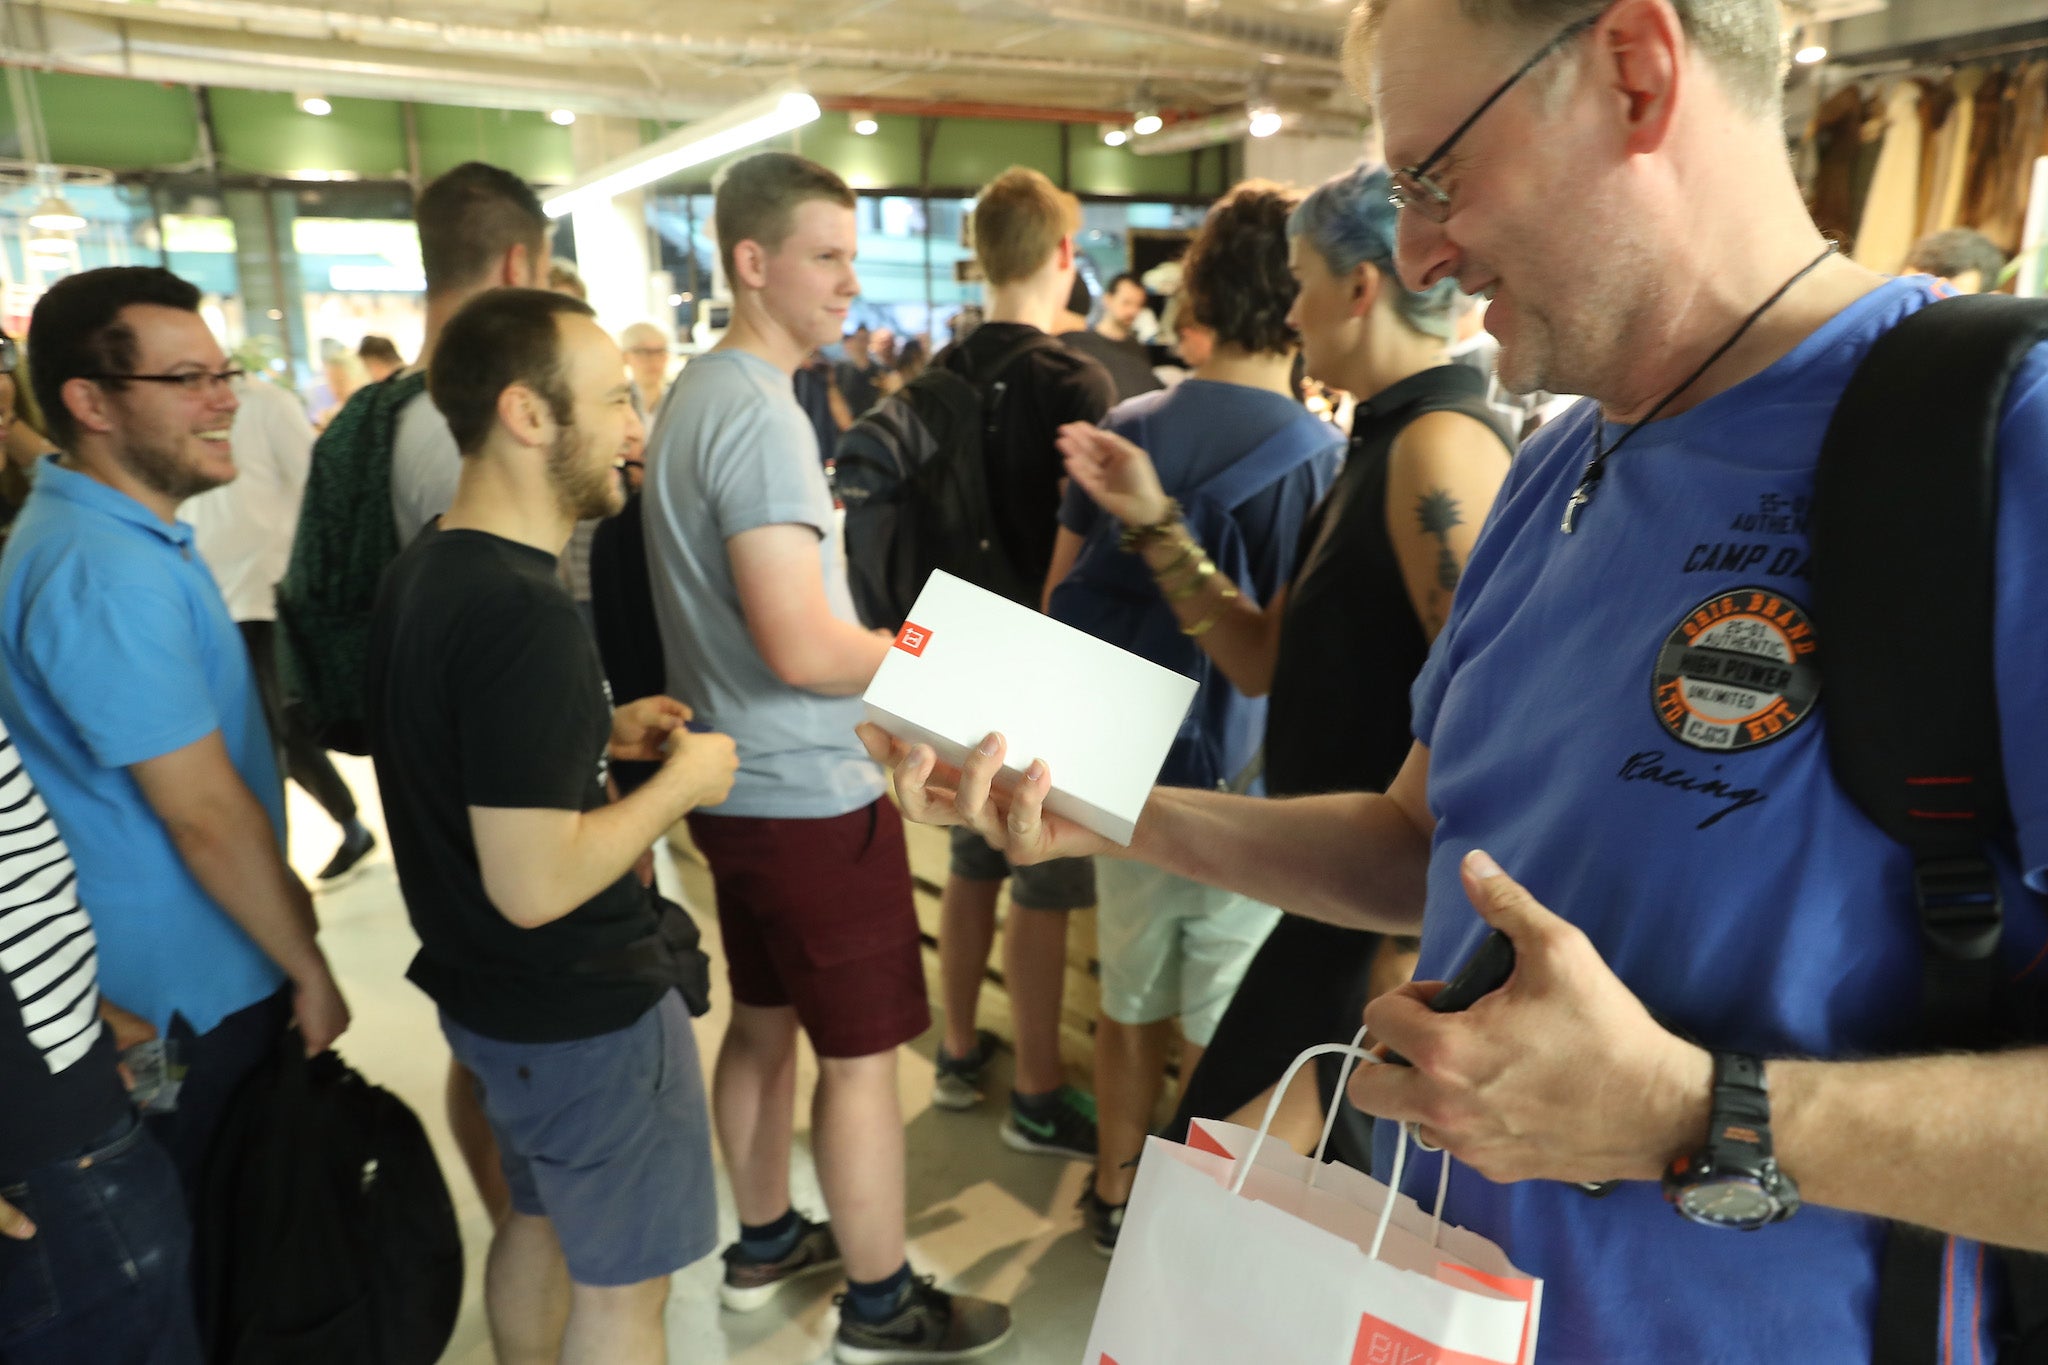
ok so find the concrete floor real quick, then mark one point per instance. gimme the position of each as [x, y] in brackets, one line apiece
[983, 1219]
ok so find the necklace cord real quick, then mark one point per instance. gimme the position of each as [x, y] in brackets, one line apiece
[1596, 468]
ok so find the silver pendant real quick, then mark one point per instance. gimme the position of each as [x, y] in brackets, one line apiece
[1582, 495]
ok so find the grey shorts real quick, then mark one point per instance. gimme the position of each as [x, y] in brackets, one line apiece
[1062, 884]
[608, 1138]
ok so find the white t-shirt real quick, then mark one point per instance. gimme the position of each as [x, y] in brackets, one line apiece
[243, 530]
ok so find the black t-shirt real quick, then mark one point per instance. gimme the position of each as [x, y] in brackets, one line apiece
[1128, 362]
[58, 1087]
[485, 690]
[1350, 648]
[1046, 389]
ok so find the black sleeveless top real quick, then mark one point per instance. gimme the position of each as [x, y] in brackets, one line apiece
[1350, 645]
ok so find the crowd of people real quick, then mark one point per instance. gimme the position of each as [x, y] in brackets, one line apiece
[617, 601]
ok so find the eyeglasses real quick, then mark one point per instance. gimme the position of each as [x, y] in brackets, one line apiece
[1412, 187]
[649, 352]
[191, 381]
[10, 354]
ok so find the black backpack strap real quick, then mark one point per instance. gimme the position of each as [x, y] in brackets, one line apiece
[1905, 523]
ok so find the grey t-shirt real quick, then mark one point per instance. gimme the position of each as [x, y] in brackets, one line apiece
[733, 451]
[425, 467]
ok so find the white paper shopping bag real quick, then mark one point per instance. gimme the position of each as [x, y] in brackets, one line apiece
[1284, 1269]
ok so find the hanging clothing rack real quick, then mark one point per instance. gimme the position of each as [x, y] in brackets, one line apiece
[1943, 53]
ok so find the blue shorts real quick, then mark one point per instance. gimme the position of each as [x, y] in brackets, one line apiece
[608, 1138]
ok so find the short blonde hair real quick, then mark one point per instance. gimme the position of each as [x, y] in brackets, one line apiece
[1019, 220]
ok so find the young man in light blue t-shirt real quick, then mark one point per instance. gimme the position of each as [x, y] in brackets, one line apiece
[807, 855]
[130, 694]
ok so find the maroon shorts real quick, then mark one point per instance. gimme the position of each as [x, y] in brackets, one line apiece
[817, 914]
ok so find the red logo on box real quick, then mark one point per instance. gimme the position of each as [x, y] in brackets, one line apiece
[913, 638]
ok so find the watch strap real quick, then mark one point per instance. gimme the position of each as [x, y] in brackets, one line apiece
[1741, 1117]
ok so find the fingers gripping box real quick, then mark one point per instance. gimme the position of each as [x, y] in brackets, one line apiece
[968, 662]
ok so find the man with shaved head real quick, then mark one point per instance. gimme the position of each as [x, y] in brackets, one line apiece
[1710, 936]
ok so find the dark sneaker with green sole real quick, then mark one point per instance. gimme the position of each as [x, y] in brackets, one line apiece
[930, 1325]
[1068, 1131]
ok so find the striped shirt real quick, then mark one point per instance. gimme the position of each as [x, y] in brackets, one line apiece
[57, 1084]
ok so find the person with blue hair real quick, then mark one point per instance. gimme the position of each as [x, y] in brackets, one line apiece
[1336, 649]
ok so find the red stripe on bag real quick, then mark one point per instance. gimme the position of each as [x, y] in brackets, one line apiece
[1382, 1343]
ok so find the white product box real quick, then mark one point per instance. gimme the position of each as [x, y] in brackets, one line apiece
[968, 662]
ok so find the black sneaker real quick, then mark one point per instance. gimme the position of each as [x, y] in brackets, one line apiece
[957, 1083]
[930, 1325]
[1069, 1131]
[355, 846]
[1104, 1219]
[749, 1283]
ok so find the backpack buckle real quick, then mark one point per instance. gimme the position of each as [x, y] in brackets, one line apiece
[1962, 911]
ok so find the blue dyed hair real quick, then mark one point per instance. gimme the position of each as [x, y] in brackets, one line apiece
[1350, 222]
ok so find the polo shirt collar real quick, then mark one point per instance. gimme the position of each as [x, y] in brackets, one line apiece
[84, 491]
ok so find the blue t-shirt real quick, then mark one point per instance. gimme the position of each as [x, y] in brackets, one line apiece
[118, 649]
[1199, 428]
[1627, 719]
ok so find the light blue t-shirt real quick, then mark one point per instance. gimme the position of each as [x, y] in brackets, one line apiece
[118, 649]
[1631, 720]
[732, 451]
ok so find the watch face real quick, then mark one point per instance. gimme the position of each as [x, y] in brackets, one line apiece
[1737, 1203]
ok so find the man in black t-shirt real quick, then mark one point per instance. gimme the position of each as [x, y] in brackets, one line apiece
[1024, 237]
[1113, 343]
[492, 731]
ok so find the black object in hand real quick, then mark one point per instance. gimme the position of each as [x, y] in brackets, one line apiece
[1487, 971]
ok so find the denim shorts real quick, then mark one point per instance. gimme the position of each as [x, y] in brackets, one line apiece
[608, 1138]
[1061, 884]
[108, 1276]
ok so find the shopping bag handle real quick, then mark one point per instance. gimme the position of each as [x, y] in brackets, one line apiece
[1354, 1052]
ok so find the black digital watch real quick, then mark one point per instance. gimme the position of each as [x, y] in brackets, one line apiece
[1734, 1181]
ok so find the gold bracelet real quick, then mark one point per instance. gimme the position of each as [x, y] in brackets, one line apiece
[1188, 553]
[1196, 582]
[1208, 623]
[1135, 536]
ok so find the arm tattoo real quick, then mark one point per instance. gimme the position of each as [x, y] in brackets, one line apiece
[1438, 512]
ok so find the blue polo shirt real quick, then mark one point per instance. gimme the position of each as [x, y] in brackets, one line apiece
[1633, 720]
[118, 649]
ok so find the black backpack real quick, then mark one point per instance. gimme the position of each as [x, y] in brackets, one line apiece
[325, 1235]
[345, 538]
[912, 474]
[1905, 520]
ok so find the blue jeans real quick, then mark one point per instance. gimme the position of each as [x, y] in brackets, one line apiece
[107, 1278]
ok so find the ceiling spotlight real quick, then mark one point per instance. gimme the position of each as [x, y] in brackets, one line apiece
[1811, 54]
[1265, 120]
[561, 117]
[863, 122]
[1147, 122]
[675, 300]
[315, 105]
[1113, 136]
[55, 214]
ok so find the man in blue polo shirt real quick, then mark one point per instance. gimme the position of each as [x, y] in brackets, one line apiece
[130, 695]
[1628, 713]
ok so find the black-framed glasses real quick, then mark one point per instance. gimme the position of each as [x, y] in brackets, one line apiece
[1412, 187]
[191, 381]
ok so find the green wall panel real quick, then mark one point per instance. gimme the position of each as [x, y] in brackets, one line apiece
[972, 152]
[105, 121]
[522, 141]
[262, 132]
[887, 160]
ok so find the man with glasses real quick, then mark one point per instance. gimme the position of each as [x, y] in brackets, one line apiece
[1711, 931]
[129, 693]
